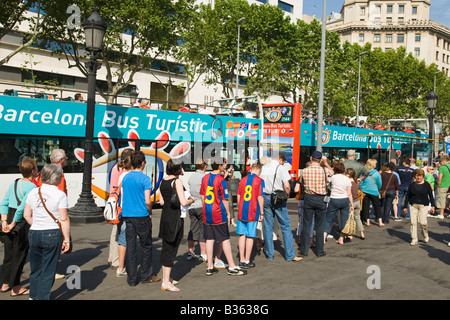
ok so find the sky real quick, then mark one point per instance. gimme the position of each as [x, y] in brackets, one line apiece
[439, 10]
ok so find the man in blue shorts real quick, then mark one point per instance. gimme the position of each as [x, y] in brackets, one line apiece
[251, 206]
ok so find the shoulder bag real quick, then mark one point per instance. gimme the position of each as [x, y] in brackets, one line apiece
[278, 196]
[327, 187]
[56, 220]
[350, 225]
[11, 213]
[174, 200]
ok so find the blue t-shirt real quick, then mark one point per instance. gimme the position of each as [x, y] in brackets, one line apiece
[134, 185]
[406, 175]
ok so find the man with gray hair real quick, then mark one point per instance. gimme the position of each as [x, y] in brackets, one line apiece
[361, 172]
[57, 156]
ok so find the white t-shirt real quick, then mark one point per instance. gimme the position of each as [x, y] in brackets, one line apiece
[54, 200]
[268, 173]
[339, 185]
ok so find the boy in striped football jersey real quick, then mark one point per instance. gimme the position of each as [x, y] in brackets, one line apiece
[251, 203]
[216, 217]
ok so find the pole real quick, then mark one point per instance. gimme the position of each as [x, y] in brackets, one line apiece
[85, 210]
[237, 65]
[431, 136]
[359, 85]
[322, 78]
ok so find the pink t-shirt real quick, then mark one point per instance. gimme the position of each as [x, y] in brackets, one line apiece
[114, 182]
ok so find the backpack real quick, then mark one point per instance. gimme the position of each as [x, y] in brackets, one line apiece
[113, 211]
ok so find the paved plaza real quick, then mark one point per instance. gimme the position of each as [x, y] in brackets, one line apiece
[383, 266]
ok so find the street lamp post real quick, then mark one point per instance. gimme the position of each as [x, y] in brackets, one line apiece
[133, 96]
[85, 210]
[432, 98]
[435, 74]
[322, 79]
[359, 85]
[240, 21]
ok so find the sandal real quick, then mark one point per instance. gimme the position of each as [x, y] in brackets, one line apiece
[21, 292]
[169, 287]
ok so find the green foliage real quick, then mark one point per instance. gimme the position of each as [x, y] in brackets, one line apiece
[278, 56]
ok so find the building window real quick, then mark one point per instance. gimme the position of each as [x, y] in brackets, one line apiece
[286, 6]
[401, 8]
[362, 11]
[437, 55]
[376, 38]
[400, 38]
[48, 79]
[361, 37]
[417, 52]
[389, 20]
[417, 37]
[389, 8]
[414, 10]
[377, 9]
[401, 20]
[263, 1]
[388, 38]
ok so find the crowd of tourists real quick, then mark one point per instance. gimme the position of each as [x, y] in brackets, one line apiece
[35, 221]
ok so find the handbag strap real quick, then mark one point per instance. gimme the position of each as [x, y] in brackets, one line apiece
[273, 182]
[51, 215]
[15, 191]
[389, 182]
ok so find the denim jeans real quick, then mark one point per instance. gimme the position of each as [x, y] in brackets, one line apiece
[402, 191]
[335, 205]
[314, 208]
[142, 228]
[45, 249]
[386, 206]
[278, 210]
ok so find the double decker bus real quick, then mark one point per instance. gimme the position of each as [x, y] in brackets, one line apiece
[32, 128]
[285, 133]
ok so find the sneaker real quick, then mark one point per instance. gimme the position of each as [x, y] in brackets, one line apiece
[210, 272]
[220, 265]
[246, 265]
[413, 243]
[202, 258]
[122, 273]
[397, 219]
[427, 239]
[439, 216]
[236, 271]
[191, 256]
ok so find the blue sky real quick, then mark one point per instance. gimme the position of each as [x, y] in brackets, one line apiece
[439, 10]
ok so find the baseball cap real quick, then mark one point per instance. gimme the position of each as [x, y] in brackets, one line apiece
[316, 155]
[350, 153]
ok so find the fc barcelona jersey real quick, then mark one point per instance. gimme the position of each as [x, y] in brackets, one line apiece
[250, 188]
[214, 189]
